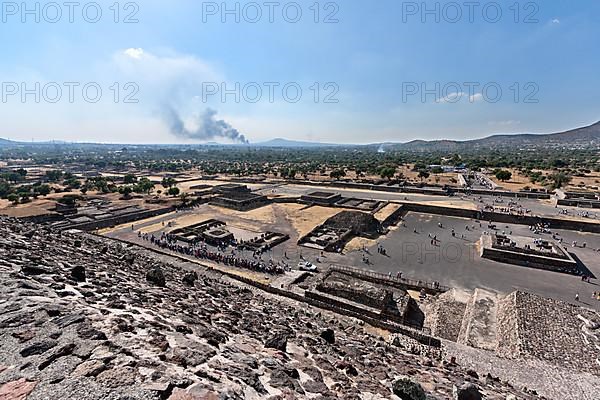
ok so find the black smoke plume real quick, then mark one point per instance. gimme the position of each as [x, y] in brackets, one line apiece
[208, 127]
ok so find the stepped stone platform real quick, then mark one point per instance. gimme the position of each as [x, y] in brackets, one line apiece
[546, 255]
[552, 331]
[520, 335]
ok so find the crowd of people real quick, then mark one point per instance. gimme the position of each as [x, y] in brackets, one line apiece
[221, 256]
[512, 207]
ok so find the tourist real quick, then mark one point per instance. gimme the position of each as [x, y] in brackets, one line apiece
[576, 296]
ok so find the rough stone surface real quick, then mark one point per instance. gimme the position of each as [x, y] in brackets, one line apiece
[16, 390]
[121, 336]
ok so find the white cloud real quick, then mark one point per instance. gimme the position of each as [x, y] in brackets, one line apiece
[134, 53]
[456, 97]
[453, 97]
[475, 98]
[556, 21]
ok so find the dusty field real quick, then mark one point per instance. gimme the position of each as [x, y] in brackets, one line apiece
[517, 182]
[304, 219]
[43, 203]
[591, 180]
[358, 243]
[265, 215]
[185, 186]
[386, 211]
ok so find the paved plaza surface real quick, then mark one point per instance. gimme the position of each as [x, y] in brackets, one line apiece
[455, 262]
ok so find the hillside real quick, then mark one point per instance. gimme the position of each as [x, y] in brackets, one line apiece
[580, 137]
[6, 142]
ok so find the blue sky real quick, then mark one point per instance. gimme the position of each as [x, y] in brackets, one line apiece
[369, 63]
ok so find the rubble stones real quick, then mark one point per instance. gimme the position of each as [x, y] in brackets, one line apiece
[407, 389]
[467, 391]
[78, 273]
[156, 276]
[38, 348]
[278, 341]
[190, 278]
[328, 335]
[16, 390]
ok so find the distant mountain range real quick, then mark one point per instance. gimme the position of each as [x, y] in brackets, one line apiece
[580, 137]
[5, 142]
[585, 136]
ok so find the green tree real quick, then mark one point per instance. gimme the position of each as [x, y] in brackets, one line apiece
[129, 179]
[54, 175]
[168, 182]
[174, 191]
[13, 198]
[337, 174]
[12, 177]
[5, 189]
[144, 185]
[503, 175]
[126, 191]
[559, 179]
[387, 172]
[184, 197]
[72, 183]
[42, 190]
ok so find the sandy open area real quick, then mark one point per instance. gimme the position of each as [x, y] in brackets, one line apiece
[305, 219]
[358, 243]
[386, 211]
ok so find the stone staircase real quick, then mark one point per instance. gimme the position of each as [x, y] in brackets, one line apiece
[479, 322]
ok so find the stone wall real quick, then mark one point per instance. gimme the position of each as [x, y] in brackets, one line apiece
[529, 260]
[554, 223]
[119, 220]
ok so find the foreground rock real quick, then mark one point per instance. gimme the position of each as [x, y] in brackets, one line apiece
[135, 325]
[406, 389]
